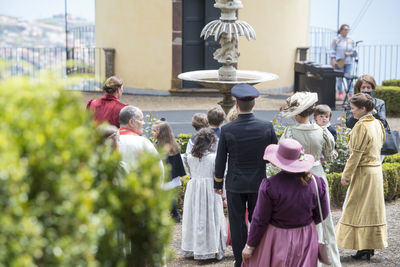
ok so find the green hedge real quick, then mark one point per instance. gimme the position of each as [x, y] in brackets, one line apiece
[391, 184]
[182, 140]
[391, 83]
[392, 158]
[336, 190]
[391, 96]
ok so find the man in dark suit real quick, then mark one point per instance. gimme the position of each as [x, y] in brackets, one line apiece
[242, 142]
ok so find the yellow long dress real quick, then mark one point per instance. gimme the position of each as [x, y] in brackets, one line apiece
[363, 222]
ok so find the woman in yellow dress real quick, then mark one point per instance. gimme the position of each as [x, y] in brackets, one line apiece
[363, 222]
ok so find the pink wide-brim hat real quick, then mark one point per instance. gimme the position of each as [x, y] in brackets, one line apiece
[289, 156]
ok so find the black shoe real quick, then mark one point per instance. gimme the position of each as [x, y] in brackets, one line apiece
[361, 253]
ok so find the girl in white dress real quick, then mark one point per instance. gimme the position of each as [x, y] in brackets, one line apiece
[204, 230]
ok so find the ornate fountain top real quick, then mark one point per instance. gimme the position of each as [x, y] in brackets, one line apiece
[228, 4]
[228, 22]
[228, 29]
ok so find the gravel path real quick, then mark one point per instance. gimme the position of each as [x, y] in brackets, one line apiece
[389, 257]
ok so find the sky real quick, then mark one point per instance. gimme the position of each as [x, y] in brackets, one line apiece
[380, 23]
[34, 9]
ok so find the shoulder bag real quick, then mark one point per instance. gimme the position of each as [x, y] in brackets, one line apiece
[391, 145]
[324, 254]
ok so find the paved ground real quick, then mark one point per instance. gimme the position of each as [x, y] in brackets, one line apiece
[178, 110]
[389, 257]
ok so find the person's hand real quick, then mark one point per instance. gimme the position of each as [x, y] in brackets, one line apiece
[347, 54]
[333, 62]
[247, 252]
[218, 191]
[343, 181]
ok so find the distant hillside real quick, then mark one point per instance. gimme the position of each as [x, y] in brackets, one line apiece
[47, 32]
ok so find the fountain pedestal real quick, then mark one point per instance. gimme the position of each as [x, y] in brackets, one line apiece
[227, 102]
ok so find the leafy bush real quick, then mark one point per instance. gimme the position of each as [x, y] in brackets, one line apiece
[181, 193]
[64, 200]
[392, 158]
[48, 163]
[280, 124]
[182, 140]
[391, 83]
[391, 173]
[391, 96]
[138, 226]
[336, 190]
[391, 184]
[337, 165]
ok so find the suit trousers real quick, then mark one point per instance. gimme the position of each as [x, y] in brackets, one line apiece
[237, 203]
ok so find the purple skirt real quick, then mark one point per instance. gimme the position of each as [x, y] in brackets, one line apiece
[295, 247]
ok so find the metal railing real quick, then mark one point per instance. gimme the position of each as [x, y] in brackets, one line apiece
[321, 37]
[380, 61]
[83, 36]
[27, 61]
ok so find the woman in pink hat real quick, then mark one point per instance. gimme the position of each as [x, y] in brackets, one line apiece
[316, 141]
[283, 231]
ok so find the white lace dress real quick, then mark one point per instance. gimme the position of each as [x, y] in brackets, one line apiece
[204, 229]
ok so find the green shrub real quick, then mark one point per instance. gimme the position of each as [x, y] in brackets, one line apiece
[182, 140]
[342, 148]
[336, 190]
[181, 193]
[391, 96]
[280, 124]
[138, 226]
[64, 200]
[391, 184]
[391, 173]
[48, 163]
[391, 83]
[392, 158]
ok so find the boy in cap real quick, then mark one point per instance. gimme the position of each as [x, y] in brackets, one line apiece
[245, 140]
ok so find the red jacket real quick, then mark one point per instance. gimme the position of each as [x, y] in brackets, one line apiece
[106, 109]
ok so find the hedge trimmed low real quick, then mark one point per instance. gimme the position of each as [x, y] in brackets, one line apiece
[391, 184]
[182, 141]
[391, 83]
[392, 158]
[391, 96]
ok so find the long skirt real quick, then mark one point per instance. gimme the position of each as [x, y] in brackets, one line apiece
[204, 229]
[329, 234]
[294, 247]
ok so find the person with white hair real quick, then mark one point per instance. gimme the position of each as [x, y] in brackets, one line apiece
[131, 141]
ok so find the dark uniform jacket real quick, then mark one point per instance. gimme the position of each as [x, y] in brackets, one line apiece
[243, 142]
[379, 115]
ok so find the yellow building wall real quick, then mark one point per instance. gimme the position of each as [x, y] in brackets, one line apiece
[281, 26]
[141, 33]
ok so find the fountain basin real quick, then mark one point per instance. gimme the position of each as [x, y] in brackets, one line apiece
[209, 78]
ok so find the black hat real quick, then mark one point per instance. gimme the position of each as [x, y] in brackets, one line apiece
[244, 92]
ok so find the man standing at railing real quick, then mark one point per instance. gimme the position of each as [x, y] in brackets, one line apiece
[342, 52]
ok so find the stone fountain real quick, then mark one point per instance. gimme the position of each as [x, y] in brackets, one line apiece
[228, 28]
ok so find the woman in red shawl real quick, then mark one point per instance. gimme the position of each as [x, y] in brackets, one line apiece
[107, 108]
